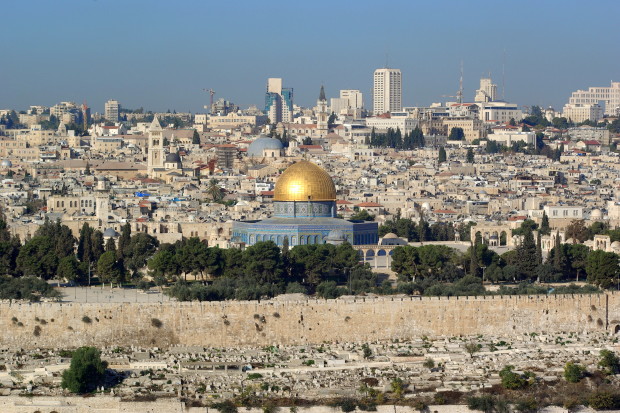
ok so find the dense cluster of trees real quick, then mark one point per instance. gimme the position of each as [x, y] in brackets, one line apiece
[261, 270]
[265, 270]
[54, 253]
[395, 139]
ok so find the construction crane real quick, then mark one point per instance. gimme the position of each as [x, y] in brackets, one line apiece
[211, 93]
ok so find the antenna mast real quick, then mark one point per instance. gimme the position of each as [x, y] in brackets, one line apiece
[459, 94]
[504, 76]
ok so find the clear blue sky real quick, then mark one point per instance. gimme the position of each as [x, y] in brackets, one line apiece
[161, 54]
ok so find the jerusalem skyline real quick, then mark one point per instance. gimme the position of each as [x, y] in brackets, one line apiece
[161, 58]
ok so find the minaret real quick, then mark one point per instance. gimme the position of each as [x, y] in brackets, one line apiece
[156, 147]
[322, 115]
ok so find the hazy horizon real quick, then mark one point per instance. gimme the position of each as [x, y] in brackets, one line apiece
[161, 56]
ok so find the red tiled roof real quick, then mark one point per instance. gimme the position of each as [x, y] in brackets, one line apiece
[343, 202]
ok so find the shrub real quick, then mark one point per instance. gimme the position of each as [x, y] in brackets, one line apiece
[573, 373]
[367, 352]
[528, 405]
[512, 380]
[346, 405]
[255, 376]
[86, 371]
[226, 406]
[485, 403]
[609, 362]
[86, 319]
[604, 401]
[37, 331]
[156, 322]
[429, 363]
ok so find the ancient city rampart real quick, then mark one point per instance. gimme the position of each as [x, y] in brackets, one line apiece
[252, 323]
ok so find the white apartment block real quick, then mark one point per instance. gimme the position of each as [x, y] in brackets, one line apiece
[579, 112]
[500, 112]
[563, 211]
[588, 132]
[61, 108]
[112, 109]
[387, 91]
[610, 96]
[507, 137]
[381, 125]
[234, 120]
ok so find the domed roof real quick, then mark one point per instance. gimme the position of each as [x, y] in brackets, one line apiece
[6, 163]
[173, 158]
[390, 235]
[304, 181]
[109, 233]
[596, 214]
[336, 235]
[615, 245]
[263, 142]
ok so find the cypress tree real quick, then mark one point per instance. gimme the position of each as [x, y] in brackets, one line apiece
[442, 155]
[473, 260]
[539, 258]
[527, 255]
[544, 224]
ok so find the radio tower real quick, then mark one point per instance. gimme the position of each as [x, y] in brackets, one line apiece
[459, 94]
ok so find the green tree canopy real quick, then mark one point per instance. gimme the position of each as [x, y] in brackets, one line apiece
[456, 134]
[86, 372]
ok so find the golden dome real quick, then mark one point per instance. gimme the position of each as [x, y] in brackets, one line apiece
[304, 181]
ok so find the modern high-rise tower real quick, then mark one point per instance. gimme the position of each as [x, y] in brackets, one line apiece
[112, 109]
[387, 91]
[278, 101]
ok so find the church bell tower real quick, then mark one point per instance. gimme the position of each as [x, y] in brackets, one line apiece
[322, 115]
[156, 147]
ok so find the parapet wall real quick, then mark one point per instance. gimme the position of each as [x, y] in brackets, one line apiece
[252, 323]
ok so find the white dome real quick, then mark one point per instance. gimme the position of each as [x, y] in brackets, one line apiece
[390, 235]
[426, 206]
[596, 214]
[6, 163]
[257, 147]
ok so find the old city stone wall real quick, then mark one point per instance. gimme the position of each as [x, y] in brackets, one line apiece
[251, 323]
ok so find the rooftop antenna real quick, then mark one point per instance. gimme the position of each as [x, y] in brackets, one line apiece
[504, 76]
[386, 60]
[459, 94]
